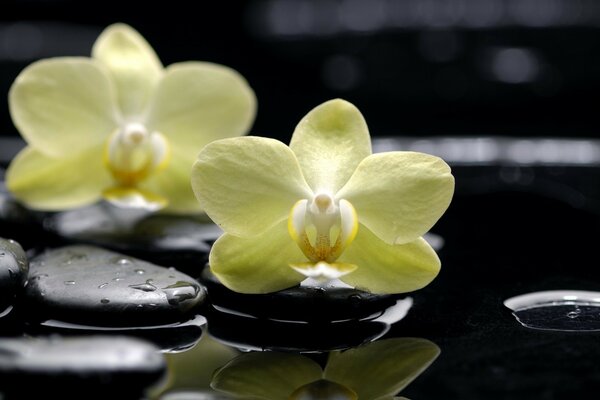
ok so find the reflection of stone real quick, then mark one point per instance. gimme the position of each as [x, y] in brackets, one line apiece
[302, 303]
[92, 286]
[247, 332]
[14, 267]
[117, 367]
[373, 371]
[164, 239]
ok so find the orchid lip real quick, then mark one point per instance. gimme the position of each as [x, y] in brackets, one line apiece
[133, 152]
[322, 228]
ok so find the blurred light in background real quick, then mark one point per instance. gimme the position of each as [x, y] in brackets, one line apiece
[499, 150]
[291, 18]
[26, 41]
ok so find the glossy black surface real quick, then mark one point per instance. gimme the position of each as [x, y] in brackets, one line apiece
[511, 229]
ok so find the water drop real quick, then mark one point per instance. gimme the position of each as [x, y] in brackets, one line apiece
[69, 282]
[117, 279]
[103, 285]
[123, 261]
[139, 271]
[104, 300]
[180, 292]
[152, 305]
[144, 287]
[11, 241]
[558, 310]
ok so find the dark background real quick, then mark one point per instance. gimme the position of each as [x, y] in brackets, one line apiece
[413, 67]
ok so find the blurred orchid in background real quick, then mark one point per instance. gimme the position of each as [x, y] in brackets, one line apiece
[119, 126]
[324, 207]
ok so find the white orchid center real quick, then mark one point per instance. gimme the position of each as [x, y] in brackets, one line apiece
[132, 153]
[323, 228]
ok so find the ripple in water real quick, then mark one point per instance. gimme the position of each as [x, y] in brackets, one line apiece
[558, 310]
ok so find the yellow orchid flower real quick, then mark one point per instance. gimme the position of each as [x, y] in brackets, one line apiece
[375, 371]
[324, 207]
[119, 126]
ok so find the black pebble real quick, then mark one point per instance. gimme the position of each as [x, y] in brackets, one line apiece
[92, 286]
[78, 367]
[13, 271]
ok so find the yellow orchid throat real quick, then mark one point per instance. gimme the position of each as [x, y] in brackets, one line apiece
[322, 230]
[132, 154]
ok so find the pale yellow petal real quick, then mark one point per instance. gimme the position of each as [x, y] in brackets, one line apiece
[63, 105]
[399, 196]
[258, 264]
[330, 142]
[132, 63]
[381, 368]
[197, 102]
[387, 268]
[173, 183]
[248, 184]
[52, 184]
[265, 375]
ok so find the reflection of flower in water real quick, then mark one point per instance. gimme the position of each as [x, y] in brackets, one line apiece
[377, 371]
[120, 126]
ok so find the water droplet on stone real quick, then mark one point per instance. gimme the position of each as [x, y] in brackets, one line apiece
[104, 300]
[139, 271]
[180, 292]
[69, 282]
[117, 279]
[557, 310]
[103, 285]
[144, 287]
[123, 261]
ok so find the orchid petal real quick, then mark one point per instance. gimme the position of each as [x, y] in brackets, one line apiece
[381, 368]
[386, 268]
[247, 185]
[265, 375]
[329, 142]
[63, 105]
[399, 196]
[48, 183]
[197, 102]
[258, 264]
[132, 63]
[173, 183]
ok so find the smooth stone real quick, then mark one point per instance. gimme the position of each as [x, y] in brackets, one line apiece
[91, 286]
[14, 267]
[300, 303]
[20, 223]
[78, 367]
[169, 338]
[249, 333]
[162, 239]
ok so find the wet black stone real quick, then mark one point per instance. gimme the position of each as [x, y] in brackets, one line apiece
[20, 223]
[310, 304]
[163, 239]
[169, 338]
[82, 367]
[92, 286]
[14, 267]
[248, 333]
